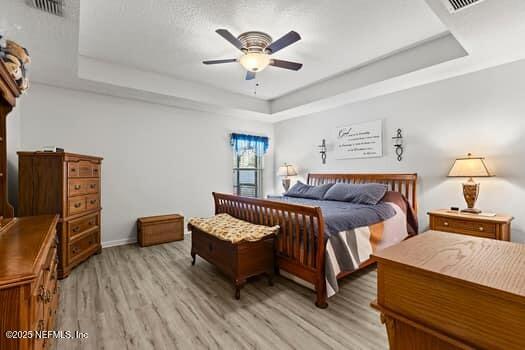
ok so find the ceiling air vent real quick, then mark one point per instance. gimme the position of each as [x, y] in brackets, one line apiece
[54, 7]
[458, 5]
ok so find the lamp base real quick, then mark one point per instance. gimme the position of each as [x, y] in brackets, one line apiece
[286, 184]
[471, 192]
[471, 211]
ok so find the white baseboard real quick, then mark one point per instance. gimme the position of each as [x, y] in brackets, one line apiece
[118, 242]
[125, 241]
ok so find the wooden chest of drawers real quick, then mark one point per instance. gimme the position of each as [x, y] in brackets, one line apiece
[29, 291]
[495, 227]
[69, 185]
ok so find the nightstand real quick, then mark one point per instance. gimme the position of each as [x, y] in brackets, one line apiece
[495, 227]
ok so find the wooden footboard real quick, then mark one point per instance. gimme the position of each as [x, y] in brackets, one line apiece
[300, 244]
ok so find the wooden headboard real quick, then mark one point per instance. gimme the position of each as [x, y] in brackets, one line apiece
[405, 184]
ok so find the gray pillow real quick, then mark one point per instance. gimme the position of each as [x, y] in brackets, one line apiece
[301, 190]
[356, 193]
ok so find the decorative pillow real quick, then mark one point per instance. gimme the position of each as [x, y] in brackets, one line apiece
[301, 190]
[356, 193]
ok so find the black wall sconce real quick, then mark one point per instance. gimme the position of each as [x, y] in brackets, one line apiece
[322, 150]
[398, 144]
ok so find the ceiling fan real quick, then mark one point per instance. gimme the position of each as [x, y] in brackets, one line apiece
[257, 48]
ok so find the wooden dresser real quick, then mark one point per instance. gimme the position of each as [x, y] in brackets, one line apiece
[495, 227]
[69, 185]
[29, 291]
[442, 290]
[28, 254]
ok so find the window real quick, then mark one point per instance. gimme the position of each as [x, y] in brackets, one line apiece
[248, 164]
[247, 174]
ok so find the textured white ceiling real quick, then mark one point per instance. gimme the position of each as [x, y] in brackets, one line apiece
[173, 36]
[492, 33]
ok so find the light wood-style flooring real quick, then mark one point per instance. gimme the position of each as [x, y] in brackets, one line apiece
[152, 298]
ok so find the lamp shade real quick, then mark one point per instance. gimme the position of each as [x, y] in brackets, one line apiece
[287, 170]
[469, 167]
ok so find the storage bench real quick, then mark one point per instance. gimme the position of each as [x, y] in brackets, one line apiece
[238, 260]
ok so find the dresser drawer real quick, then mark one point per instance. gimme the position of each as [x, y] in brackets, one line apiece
[95, 170]
[76, 205]
[480, 229]
[92, 202]
[49, 293]
[83, 168]
[37, 309]
[82, 245]
[51, 256]
[78, 226]
[72, 169]
[92, 186]
[77, 187]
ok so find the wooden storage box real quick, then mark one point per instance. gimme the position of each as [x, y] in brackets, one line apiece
[160, 229]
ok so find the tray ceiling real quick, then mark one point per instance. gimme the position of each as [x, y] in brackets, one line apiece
[173, 37]
[352, 50]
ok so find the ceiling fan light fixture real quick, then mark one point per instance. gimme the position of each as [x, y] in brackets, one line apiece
[255, 61]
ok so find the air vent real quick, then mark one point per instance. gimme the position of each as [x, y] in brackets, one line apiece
[458, 5]
[55, 7]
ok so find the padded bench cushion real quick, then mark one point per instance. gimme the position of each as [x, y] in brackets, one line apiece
[228, 228]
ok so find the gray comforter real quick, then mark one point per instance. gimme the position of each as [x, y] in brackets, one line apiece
[345, 216]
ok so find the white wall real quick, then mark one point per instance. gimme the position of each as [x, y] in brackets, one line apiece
[482, 113]
[157, 159]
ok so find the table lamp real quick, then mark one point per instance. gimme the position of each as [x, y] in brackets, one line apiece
[470, 167]
[285, 171]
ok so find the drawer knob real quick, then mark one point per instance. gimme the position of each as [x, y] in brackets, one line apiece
[47, 297]
[93, 201]
[481, 229]
[445, 223]
[210, 247]
[41, 292]
[92, 186]
[77, 187]
[78, 205]
[73, 169]
[91, 223]
[76, 229]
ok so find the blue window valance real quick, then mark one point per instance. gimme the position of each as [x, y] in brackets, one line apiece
[242, 142]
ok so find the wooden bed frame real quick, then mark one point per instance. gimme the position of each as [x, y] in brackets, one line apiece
[298, 247]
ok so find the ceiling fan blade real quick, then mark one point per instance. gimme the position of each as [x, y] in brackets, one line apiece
[250, 75]
[286, 64]
[230, 60]
[229, 36]
[286, 40]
